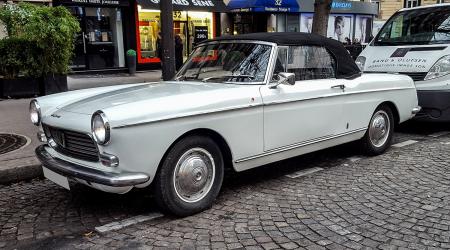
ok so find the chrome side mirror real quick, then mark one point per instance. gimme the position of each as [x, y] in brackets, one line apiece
[284, 78]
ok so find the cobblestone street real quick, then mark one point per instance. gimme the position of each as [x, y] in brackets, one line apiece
[334, 199]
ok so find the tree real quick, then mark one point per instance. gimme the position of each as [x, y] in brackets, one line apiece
[320, 20]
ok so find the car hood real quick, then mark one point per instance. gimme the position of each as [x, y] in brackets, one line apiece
[403, 58]
[165, 100]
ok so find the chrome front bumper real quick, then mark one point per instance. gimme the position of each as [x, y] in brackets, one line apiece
[416, 110]
[72, 170]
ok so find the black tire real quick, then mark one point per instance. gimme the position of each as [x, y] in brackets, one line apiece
[369, 146]
[166, 194]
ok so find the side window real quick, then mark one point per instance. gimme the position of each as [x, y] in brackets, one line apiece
[310, 62]
[280, 64]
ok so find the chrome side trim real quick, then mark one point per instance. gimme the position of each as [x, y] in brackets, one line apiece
[298, 145]
[72, 170]
[335, 95]
[189, 115]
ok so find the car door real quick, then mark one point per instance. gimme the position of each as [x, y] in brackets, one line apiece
[309, 111]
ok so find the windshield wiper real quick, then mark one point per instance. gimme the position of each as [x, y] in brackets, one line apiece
[228, 76]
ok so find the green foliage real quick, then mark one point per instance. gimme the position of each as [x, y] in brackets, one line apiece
[19, 57]
[15, 17]
[131, 52]
[51, 29]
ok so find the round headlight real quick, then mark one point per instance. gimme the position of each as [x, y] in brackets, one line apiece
[100, 128]
[35, 113]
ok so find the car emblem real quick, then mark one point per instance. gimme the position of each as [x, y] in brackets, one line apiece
[56, 116]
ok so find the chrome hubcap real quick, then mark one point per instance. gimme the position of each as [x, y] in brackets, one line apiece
[194, 175]
[379, 128]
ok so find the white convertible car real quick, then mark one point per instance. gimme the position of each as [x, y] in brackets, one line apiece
[238, 102]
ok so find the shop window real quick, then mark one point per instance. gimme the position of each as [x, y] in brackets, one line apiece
[293, 23]
[192, 27]
[281, 22]
[103, 34]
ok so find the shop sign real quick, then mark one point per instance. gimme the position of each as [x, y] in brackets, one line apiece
[264, 6]
[277, 9]
[199, 3]
[200, 33]
[341, 5]
[95, 2]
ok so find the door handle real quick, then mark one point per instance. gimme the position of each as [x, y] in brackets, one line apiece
[340, 86]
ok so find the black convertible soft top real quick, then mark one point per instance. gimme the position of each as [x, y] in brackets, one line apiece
[346, 67]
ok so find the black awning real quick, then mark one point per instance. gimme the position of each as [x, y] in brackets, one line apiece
[192, 5]
[263, 6]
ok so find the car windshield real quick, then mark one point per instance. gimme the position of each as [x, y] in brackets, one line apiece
[417, 26]
[227, 63]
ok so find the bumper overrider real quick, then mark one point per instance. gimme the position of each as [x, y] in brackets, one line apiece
[71, 170]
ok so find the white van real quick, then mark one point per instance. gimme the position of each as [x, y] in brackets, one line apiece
[416, 42]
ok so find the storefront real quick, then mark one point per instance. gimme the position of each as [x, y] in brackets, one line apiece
[194, 21]
[101, 43]
[349, 21]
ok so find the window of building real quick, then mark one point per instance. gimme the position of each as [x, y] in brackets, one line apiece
[412, 3]
[378, 4]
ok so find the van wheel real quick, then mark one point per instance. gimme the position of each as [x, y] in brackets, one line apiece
[190, 177]
[379, 134]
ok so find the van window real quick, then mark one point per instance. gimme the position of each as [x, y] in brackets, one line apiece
[416, 26]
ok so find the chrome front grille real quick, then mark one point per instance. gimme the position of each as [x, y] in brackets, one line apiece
[416, 76]
[73, 144]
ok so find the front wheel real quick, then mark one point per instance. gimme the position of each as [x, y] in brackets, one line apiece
[379, 135]
[190, 177]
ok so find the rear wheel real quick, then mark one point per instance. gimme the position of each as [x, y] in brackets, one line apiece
[379, 134]
[190, 177]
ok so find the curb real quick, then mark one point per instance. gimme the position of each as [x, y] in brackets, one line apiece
[20, 173]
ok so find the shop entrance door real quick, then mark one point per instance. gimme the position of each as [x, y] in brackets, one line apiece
[99, 44]
[79, 60]
[180, 28]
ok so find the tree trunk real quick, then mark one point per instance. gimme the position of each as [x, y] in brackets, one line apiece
[320, 20]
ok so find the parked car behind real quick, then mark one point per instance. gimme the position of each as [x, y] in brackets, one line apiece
[238, 102]
[416, 42]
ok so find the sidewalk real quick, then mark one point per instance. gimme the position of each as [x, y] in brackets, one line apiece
[22, 164]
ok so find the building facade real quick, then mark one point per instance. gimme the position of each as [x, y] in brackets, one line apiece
[111, 27]
[349, 21]
[388, 7]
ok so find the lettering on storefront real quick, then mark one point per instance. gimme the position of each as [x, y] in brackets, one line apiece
[201, 3]
[100, 2]
[341, 5]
